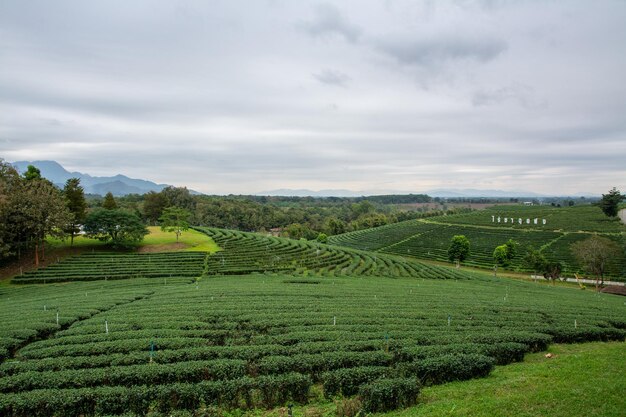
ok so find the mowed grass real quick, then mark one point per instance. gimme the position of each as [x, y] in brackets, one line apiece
[586, 379]
[156, 240]
[579, 380]
[191, 239]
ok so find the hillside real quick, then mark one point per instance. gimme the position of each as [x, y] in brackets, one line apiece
[486, 229]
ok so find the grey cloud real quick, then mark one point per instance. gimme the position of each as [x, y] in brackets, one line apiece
[328, 20]
[437, 50]
[332, 77]
[520, 94]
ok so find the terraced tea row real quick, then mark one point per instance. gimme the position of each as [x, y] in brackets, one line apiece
[245, 253]
[563, 219]
[430, 239]
[104, 265]
[31, 313]
[262, 340]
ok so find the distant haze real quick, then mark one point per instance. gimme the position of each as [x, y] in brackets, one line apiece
[393, 96]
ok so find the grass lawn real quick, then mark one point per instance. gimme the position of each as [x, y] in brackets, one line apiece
[189, 240]
[157, 240]
[587, 379]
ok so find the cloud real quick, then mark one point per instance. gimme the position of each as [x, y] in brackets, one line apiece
[329, 21]
[332, 77]
[520, 94]
[441, 49]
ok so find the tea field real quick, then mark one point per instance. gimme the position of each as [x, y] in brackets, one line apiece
[430, 238]
[262, 340]
[265, 322]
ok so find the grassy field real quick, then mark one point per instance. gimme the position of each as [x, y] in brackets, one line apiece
[266, 322]
[580, 380]
[157, 239]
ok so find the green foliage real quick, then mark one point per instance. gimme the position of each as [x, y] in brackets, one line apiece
[109, 202]
[263, 340]
[115, 226]
[322, 238]
[595, 254]
[534, 260]
[389, 394]
[504, 254]
[175, 219]
[153, 205]
[459, 249]
[500, 255]
[609, 204]
[32, 173]
[76, 204]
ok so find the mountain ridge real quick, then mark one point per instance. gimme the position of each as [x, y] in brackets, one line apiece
[118, 185]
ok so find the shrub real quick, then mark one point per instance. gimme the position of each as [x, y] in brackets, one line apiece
[389, 394]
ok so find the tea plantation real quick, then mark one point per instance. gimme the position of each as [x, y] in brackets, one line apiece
[429, 239]
[266, 322]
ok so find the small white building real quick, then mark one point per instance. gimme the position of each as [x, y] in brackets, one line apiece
[528, 203]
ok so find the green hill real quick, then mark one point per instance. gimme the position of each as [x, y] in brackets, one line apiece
[430, 238]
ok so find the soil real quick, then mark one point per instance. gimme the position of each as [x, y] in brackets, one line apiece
[614, 289]
[166, 247]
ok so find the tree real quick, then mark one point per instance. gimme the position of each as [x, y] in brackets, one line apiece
[609, 203]
[10, 188]
[322, 238]
[32, 173]
[334, 226]
[504, 254]
[594, 254]
[153, 206]
[109, 202]
[119, 227]
[534, 260]
[175, 219]
[77, 206]
[552, 270]
[459, 249]
[40, 211]
[179, 197]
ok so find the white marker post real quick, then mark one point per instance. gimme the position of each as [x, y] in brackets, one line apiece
[106, 326]
[334, 320]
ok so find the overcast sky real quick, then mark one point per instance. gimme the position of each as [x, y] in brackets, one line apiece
[246, 96]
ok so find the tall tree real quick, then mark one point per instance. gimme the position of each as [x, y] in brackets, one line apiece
[534, 260]
[594, 254]
[10, 189]
[609, 203]
[175, 219]
[109, 201]
[116, 226]
[504, 254]
[77, 206]
[459, 249]
[39, 211]
[153, 206]
[179, 197]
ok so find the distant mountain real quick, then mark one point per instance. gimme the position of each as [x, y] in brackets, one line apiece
[469, 192]
[118, 185]
[450, 193]
[285, 192]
